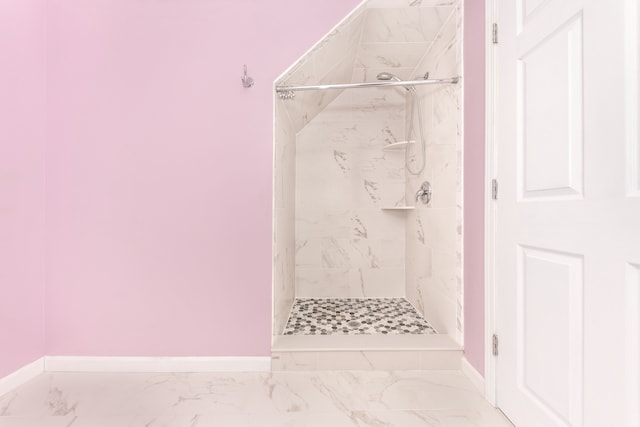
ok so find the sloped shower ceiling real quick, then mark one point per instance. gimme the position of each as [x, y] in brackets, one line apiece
[330, 61]
[397, 35]
[379, 35]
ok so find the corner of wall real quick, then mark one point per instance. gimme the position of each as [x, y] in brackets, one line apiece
[21, 376]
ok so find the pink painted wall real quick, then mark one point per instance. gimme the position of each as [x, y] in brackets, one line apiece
[22, 112]
[474, 197]
[159, 171]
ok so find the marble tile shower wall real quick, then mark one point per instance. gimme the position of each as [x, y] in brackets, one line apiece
[396, 36]
[433, 268]
[330, 61]
[284, 218]
[346, 245]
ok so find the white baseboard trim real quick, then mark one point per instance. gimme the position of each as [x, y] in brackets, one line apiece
[21, 376]
[473, 375]
[156, 364]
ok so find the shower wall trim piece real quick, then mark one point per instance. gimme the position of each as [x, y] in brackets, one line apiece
[365, 360]
[21, 376]
[156, 364]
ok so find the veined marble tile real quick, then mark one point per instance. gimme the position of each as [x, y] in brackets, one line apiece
[426, 104]
[340, 164]
[369, 360]
[377, 224]
[331, 61]
[440, 306]
[445, 272]
[443, 167]
[303, 73]
[373, 165]
[392, 252]
[393, 4]
[308, 252]
[349, 398]
[331, 50]
[394, 166]
[335, 253]
[430, 228]
[440, 229]
[421, 259]
[377, 282]
[356, 25]
[366, 253]
[428, 418]
[390, 55]
[370, 74]
[446, 107]
[412, 292]
[338, 73]
[313, 223]
[321, 162]
[441, 60]
[321, 282]
[377, 108]
[393, 194]
[404, 24]
[328, 195]
[358, 109]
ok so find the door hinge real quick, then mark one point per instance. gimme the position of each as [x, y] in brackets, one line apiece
[494, 189]
[494, 33]
[494, 347]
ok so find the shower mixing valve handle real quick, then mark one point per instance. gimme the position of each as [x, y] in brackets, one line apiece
[424, 194]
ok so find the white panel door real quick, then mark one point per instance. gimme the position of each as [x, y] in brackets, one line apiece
[567, 246]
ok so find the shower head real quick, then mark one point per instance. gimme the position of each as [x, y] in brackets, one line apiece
[388, 76]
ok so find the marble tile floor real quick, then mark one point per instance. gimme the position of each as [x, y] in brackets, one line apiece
[327, 398]
[355, 316]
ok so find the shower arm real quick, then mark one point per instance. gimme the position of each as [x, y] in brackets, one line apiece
[290, 89]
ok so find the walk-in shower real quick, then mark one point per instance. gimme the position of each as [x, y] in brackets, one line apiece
[354, 253]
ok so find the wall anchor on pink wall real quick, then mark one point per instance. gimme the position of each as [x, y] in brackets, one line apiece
[246, 80]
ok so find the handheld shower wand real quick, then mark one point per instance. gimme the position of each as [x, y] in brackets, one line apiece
[415, 101]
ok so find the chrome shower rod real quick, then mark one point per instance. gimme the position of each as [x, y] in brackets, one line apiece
[285, 89]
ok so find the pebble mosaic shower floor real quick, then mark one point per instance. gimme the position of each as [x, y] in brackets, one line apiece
[355, 316]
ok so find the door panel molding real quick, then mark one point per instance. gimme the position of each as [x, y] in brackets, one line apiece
[550, 135]
[540, 272]
[526, 9]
